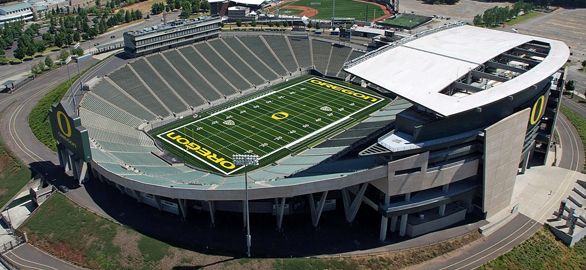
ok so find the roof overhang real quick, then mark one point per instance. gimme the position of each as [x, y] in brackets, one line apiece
[420, 69]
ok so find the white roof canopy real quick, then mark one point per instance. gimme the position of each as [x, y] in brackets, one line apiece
[419, 69]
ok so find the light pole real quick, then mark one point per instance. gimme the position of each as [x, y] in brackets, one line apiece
[245, 160]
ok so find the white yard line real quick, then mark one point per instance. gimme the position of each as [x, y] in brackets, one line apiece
[288, 145]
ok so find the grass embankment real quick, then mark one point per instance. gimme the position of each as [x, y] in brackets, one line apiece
[38, 119]
[542, 251]
[525, 17]
[578, 122]
[13, 175]
[74, 234]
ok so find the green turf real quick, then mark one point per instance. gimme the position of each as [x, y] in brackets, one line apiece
[270, 125]
[13, 175]
[406, 21]
[344, 9]
[38, 119]
[541, 251]
[579, 122]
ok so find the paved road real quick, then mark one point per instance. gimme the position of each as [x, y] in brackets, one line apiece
[29, 257]
[22, 70]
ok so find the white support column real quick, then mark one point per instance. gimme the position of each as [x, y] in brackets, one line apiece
[182, 207]
[384, 221]
[394, 223]
[158, 200]
[280, 212]
[351, 208]
[317, 210]
[442, 210]
[212, 210]
[83, 172]
[403, 227]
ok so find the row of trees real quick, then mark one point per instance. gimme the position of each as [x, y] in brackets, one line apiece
[446, 2]
[498, 15]
[187, 7]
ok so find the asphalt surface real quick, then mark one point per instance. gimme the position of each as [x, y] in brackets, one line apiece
[27, 256]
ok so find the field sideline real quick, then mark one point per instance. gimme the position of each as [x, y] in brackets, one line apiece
[267, 125]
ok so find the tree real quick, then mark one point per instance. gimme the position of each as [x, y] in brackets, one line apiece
[76, 36]
[253, 24]
[41, 66]
[477, 20]
[204, 5]
[20, 52]
[570, 85]
[49, 62]
[238, 23]
[63, 55]
[584, 65]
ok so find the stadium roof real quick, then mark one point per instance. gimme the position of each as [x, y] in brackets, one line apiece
[422, 69]
[242, 2]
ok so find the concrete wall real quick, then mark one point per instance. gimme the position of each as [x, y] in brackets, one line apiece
[502, 153]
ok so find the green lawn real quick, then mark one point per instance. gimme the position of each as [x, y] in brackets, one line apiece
[72, 233]
[578, 122]
[541, 251]
[344, 9]
[38, 119]
[271, 125]
[13, 175]
[523, 18]
[406, 21]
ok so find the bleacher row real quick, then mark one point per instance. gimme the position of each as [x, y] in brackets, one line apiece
[177, 80]
[172, 81]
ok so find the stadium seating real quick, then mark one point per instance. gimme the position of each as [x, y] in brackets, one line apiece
[221, 65]
[195, 75]
[256, 45]
[339, 56]
[201, 85]
[279, 46]
[208, 71]
[321, 54]
[250, 59]
[181, 85]
[156, 83]
[243, 69]
[301, 49]
[126, 79]
[108, 92]
[95, 104]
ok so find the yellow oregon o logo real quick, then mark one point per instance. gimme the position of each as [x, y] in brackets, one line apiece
[61, 116]
[279, 115]
[537, 110]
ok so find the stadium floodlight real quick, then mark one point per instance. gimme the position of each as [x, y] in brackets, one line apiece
[246, 160]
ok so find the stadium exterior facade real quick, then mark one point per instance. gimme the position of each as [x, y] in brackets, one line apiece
[472, 109]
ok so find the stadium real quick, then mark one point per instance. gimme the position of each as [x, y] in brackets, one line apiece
[426, 131]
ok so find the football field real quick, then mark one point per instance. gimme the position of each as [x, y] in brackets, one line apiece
[268, 124]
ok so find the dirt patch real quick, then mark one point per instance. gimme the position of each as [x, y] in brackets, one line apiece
[60, 250]
[305, 11]
[130, 254]
[144, 7]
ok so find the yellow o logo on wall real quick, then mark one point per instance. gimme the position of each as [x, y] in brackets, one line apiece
[537, 110]
[61, 116]
[279, 115]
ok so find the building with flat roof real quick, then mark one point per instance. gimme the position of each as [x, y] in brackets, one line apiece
[15, 12]
[172, 34]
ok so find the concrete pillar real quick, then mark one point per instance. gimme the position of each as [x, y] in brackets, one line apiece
[384, 221]
[442, 210]
[394, 223]
[407, 196]
[403, 227]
